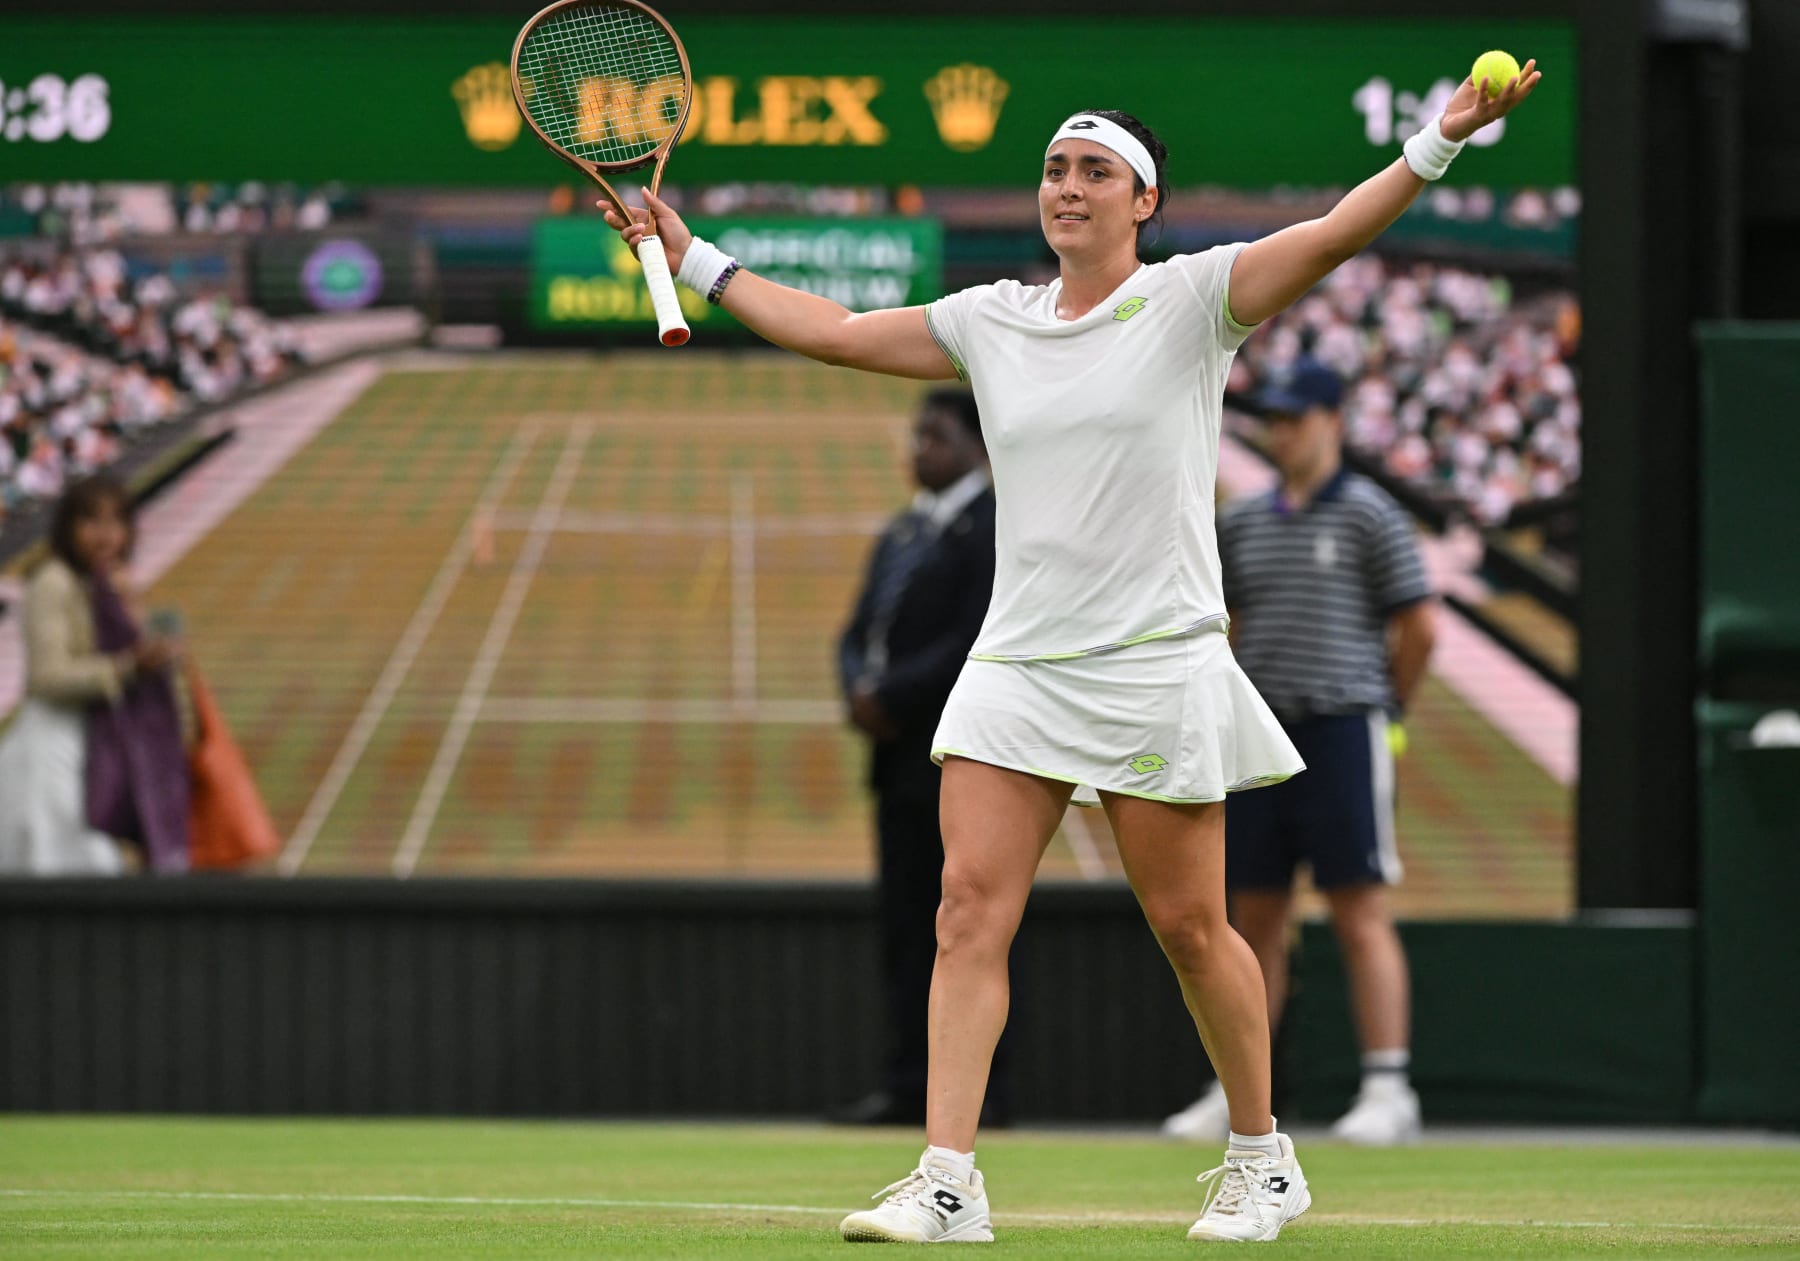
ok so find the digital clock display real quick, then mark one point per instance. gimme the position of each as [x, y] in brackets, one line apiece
[1390, 115]
[51, 108]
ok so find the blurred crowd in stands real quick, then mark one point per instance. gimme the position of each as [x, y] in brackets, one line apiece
[1455, 387]
[90, 357]
[84, 214]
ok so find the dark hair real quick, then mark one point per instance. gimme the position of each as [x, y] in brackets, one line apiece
[1159, 154]
[81, 502]
[960, 403]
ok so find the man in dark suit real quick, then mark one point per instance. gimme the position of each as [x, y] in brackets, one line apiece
[922, 603]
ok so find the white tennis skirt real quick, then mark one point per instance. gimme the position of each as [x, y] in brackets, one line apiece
[1172, 720]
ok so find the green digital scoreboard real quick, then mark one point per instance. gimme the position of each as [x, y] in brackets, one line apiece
[833, 99]
[584, 277]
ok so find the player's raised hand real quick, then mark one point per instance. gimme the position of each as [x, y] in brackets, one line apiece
[1471, 108]
[674, 233]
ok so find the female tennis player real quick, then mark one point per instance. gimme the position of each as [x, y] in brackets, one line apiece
[1103, 659]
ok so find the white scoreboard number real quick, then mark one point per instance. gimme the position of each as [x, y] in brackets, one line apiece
[1389, 115]
[50, 108]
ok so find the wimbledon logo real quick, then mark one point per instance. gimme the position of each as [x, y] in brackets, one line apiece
[341, 275]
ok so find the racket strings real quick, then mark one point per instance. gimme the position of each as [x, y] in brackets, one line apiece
[604, 83]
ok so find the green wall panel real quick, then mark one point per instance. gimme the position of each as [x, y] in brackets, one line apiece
[1579, 1022]
[1749, 637]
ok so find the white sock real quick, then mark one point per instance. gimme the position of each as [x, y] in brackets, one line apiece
[962, 1164]
[1268, 1144]
[1387, 1068]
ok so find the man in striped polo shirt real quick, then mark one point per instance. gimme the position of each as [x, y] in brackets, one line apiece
[1331, 617]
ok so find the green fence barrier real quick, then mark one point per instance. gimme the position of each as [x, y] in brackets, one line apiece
[1586, 1021]
[1749, 641]
[1750, 934]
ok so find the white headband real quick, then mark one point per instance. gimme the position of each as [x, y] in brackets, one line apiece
[1105, 132]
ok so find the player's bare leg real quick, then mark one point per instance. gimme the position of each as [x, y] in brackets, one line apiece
[1174, 856]
[996, 824]
[1263, 919]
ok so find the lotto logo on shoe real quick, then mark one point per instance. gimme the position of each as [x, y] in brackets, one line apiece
[1278, 1185]
[948, 1202]
[1145, 763]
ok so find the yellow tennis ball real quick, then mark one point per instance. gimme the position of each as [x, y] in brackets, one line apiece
[1499, 68]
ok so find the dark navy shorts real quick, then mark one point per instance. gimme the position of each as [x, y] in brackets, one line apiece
[1336, 816]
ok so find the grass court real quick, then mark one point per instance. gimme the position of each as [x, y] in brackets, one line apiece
[96, 1187]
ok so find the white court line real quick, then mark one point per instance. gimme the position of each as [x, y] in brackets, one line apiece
[704, 524]
[487, 659]
[400, 661]
[743, 591]
[712, 1206]
[609, 710]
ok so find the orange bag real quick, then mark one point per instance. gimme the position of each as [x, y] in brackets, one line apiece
[229, 825]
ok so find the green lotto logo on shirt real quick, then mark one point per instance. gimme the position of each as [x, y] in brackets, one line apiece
[1128, 308]
[1145, 763]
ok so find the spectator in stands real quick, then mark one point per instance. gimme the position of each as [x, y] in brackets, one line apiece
[921, 606]
[98, 358]
[93, 774]
[89, 214]
[1455, 386]
[1332, 619]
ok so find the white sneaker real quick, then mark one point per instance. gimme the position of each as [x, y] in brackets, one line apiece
[1386, 1112]
[1253, 1195]
[1206, 1120]
[929, 1205]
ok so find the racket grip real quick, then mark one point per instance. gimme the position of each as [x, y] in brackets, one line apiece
[670, 326]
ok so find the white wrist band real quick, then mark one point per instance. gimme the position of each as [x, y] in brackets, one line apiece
[702, 266]
[1428, 154]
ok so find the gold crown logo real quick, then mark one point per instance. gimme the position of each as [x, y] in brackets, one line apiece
[965, 101]
[484, 95]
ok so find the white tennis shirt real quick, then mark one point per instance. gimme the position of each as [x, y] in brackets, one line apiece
[1104, 438]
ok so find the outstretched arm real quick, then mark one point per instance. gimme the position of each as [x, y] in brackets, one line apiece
[895, 341]
[1272, 273]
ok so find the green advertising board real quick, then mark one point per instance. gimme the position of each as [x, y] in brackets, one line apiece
[584, 277]
[837, 99]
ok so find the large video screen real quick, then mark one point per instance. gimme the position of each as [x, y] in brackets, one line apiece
[569, 605]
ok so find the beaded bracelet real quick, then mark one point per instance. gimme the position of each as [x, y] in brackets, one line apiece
[718, 289]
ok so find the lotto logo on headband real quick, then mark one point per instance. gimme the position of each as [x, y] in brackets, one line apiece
[1083, 124]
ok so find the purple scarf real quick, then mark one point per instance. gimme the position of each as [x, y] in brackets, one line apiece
[137, 769]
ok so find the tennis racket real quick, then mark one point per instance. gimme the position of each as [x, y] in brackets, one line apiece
[606, 85]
